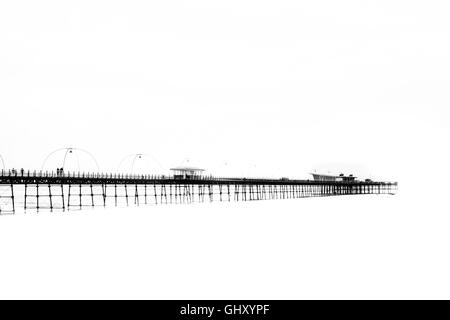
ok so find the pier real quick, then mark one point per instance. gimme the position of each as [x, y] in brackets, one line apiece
[58, 191]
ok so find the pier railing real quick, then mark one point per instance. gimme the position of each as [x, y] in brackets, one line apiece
[37, 174]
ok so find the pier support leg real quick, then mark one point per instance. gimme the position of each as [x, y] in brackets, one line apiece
[50, 197]
[68, 197]
[115, 194]
[62, 198]
[92, 196]
[37, 198]
[104, 190]
[145, 193]
[211, 192]
[12, 199]
[136, 195]
[81, 197]
[25, 198]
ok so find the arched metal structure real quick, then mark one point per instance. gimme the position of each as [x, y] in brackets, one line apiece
[3, 162]
[68, 151]
[137, 156]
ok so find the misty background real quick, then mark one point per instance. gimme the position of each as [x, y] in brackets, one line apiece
[236, 87]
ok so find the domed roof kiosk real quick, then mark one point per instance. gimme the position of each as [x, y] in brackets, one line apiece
[187, 172]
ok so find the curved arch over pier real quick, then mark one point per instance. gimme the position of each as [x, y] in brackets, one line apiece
[71, 150]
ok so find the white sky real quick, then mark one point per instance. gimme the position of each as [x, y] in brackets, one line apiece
[270, 88]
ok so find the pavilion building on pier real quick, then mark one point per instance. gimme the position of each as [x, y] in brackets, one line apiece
[187, 172]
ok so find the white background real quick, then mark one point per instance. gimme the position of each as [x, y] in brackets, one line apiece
[274, 88]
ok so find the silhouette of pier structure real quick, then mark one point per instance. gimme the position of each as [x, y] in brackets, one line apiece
[60, 191]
